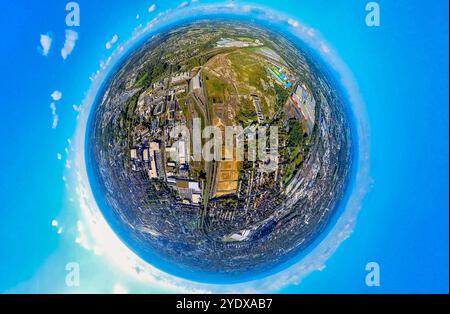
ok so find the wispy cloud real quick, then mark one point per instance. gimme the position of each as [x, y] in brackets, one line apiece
[82, 238]
[183, 4]
[293, 23]
[46, 43]
[69, 44]
[111, 43]
[54, 115]
[152, 8]
[76, 108]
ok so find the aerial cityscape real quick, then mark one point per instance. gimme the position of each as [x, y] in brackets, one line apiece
[240, 151]
[234, 215]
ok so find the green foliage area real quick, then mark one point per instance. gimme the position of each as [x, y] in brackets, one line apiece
[281, 97]
[142, 80]
[152, 71]
[245, 165]
[295, 134]
[296, 143]
[216, 87]
[230, 201]
[130, 107]
[247, 113]
[202, 59]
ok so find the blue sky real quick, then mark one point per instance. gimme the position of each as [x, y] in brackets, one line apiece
[401, 72]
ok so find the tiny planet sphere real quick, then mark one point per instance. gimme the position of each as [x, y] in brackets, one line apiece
[218, 150]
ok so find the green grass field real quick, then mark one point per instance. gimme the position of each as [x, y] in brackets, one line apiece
[218, 89]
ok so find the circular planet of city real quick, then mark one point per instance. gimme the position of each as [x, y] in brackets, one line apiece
[219, 150]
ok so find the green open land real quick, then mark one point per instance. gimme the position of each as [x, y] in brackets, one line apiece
[249, 70]
[240, 72]
[218, 89]
[251, 74]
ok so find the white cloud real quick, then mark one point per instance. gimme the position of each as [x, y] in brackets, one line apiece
[76, 108]
[46, 44]
[111, 43]
[152, 8]
[56, 95]
[310, 32]
[59, 156]
[247, 8]
[137, 16]
[69, 44]
[54, 115]
[55, 224]
[183, 4]
[324, 47]
[104, 63]
[82, 238]
[293, 23]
